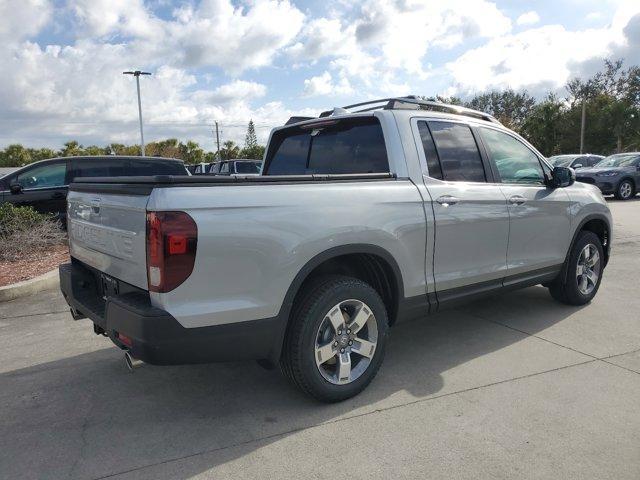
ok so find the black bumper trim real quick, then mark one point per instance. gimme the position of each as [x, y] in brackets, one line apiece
[158, 338]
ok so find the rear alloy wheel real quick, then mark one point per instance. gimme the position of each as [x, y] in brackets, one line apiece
[625, 190]
[581, 277]
[335, 342]
[346, 342]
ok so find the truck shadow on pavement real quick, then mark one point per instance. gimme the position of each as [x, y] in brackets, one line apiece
[86, 417]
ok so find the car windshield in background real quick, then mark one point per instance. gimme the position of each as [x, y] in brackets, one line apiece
[562, 160]
[354, 145]
[619, 160]
[247, 167]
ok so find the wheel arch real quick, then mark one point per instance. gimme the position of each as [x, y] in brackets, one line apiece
[598, 224]
[372, 262]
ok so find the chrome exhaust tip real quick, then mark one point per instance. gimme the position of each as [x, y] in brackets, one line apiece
[132, 363]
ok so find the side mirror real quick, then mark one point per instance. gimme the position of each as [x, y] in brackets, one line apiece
[579, 165]
[15, 188]
[562, 177]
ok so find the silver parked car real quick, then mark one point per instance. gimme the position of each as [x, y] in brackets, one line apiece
[365, 217]
[575, 161]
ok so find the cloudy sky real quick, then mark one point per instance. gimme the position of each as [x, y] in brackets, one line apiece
[61, 61]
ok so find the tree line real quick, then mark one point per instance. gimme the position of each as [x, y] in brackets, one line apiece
[16, 155]
[607, 104]
[600, 113]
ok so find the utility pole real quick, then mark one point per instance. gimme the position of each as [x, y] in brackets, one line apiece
[218, 140]
[582, 124]
[137, 74]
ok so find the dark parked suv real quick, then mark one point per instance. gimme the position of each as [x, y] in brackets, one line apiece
[618, 174]
[43, 185]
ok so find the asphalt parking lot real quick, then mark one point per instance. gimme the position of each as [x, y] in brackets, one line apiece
[511, 387]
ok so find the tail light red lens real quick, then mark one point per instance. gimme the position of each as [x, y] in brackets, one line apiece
[172, 239]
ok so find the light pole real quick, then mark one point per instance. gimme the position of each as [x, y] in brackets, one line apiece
[137, 74]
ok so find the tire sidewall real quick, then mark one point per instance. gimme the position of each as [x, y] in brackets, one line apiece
[343, 290]
[572, 290]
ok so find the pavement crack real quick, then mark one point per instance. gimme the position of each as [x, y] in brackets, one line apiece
[339, 420]
[11, 317]
[594, 357]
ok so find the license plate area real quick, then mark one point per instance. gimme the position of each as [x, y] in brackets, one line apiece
[110, 286]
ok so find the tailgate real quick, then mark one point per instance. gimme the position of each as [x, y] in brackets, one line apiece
[108, 232]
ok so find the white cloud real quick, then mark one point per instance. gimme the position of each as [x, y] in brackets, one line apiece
[21, 19]
[541, 58]
[215, 33]
[389, 40]
[323, 85]
[528, 18]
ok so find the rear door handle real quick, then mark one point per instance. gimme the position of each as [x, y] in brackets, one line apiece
[446, 200]
[58, 195]
[517, 200]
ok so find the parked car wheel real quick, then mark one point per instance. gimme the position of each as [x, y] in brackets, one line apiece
[626, 190]
[583, 271]
[336, 340]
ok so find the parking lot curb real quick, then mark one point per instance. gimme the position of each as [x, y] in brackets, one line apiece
[28, 287]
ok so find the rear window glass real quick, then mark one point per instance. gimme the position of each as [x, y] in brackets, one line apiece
[154, 167]
[458, 152]
[103, 167]
[124, 167]
[348, 146]
[247, 167]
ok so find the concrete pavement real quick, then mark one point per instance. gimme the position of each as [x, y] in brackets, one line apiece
[511, 387]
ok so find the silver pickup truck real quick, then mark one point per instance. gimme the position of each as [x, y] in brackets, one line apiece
[367, 216]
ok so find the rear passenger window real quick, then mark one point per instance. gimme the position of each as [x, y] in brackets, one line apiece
[458, 152]
[346, 146]
[433, 164]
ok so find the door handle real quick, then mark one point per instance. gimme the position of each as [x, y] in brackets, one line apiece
[517, 200]
[446, 200]
[57, 195]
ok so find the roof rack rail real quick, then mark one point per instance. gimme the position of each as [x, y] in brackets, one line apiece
[415, 102]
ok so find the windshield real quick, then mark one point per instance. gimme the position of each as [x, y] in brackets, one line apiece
[562, 160]
[248, 167]
[619, 160]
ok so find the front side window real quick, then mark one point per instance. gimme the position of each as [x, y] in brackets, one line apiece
[50, 175]
[515, 162]
[460, 159]
[354, 145]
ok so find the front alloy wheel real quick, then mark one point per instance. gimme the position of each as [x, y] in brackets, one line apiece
[588, 269]
[625, 190]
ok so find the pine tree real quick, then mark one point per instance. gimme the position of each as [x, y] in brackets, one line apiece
[250, 141]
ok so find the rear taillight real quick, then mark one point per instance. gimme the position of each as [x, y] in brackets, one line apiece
[172, 238]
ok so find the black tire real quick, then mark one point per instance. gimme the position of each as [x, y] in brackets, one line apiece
[310, 310]
[565, 288]
[624, 186]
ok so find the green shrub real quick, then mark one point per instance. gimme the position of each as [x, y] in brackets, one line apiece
[25, 232]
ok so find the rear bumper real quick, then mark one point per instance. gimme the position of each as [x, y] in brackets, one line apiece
[157, 337]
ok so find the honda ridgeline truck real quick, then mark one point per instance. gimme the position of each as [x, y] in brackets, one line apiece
[362, 218]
